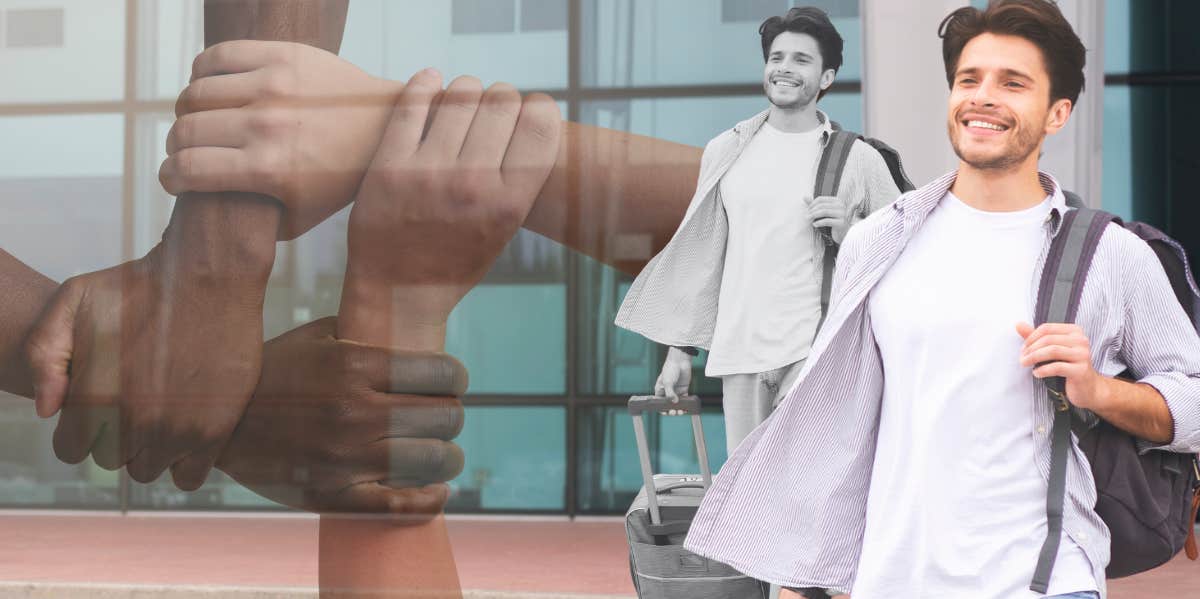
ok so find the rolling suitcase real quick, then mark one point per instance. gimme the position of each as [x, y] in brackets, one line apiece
[660, 515]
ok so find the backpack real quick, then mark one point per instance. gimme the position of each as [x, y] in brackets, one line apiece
[1149, 502]
[829, 178]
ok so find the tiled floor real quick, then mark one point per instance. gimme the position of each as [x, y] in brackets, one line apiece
[514, 555]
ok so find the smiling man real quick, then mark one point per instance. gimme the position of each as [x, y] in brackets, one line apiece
[929, 379]
[742, 275]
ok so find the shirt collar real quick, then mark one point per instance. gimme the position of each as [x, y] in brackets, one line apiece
[750, 126]
[920, 202]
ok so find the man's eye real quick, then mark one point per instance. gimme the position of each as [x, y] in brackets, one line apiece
[1014, 84]
[966, 81]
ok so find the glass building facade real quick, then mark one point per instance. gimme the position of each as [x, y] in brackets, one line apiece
[87, 102]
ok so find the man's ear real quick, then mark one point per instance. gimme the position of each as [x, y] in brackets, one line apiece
[827, 78]
[1060, 113]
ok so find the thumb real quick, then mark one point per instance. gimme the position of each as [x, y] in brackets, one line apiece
[48, 350]
[1024, 329]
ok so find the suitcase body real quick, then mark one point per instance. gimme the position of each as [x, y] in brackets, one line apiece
[658, 519]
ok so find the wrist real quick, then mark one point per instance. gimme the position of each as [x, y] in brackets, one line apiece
[1101, 393]
[226, 240]
[389, 315]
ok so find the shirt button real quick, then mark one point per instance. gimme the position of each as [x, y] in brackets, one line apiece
[1041, 430]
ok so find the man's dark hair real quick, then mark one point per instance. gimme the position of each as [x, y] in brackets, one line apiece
[808, 20]
[1039, 21]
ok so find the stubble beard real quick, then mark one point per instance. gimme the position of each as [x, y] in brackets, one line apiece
[806, 96]
[1024, 143]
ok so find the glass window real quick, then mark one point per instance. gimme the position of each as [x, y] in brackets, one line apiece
[60, 184]
[1117, 171]
[515, 459]
[612, 360]
[758, 10]
[172, 34]
[34, 28]
[396, 38]
[483, 16]
[609, 469]
[512, 338]
[30, 475]
[543, 15]
[219, 492]
[687, 42]
[74, 52]
[1116, 36]
[695, 121]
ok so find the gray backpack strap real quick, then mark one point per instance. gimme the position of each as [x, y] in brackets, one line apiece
[1059, 291]
[828, 178]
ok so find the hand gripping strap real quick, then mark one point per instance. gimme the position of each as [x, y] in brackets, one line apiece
[1059, 292]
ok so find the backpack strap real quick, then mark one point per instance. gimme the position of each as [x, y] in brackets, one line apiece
[828, 179]
[1059, 291]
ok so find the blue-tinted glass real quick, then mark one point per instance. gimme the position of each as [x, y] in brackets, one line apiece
[1117, 190]
[612, 360]
[516, 459]
[1116, 36]
[396, 38]
[609, 471]
[683, 42]
[512, 338]
[691, 121]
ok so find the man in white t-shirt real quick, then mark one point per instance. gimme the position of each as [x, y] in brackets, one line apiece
[742, 276]
[928, 378]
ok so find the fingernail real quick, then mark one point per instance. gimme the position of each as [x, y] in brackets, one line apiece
[431, 71]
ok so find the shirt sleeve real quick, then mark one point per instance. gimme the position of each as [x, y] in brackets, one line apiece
[1158, 343]
[873, 186]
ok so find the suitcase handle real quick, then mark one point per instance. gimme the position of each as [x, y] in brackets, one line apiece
[690, 404]
[640, 404]
[681, 484]
[669, 528]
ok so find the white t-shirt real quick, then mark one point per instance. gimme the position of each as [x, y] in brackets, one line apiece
[770, 301]
[957, 507]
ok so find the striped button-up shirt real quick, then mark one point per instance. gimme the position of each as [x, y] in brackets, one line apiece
[789, 506]
[673, 301]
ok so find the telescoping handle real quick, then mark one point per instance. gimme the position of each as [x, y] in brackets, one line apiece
[667, 406]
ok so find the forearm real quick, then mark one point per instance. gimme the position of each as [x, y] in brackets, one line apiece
[1136, 408]
[355, 553]
[615, 196]
[23, 293]
[230, 237]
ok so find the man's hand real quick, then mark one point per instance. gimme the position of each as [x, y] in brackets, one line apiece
[1063, 350]
[333, 421]
[676, 374]
[146, 369]
[828, 211]
[285, 120]
[437, 207]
